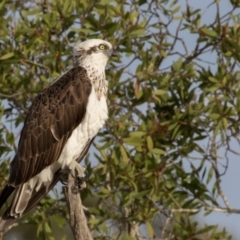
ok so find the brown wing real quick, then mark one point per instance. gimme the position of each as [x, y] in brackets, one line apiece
[53, 116]
[6, 220]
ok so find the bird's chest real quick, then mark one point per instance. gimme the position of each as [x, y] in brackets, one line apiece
[94, 119]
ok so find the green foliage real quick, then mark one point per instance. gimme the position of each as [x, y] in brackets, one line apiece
[171, 112]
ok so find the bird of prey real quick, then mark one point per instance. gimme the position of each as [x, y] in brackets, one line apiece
[58, 130]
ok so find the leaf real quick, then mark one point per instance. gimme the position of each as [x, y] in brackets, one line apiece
[149, 143]
[7, 56]
[177, 65]
[104, 192]
[136, 33]
[150, 229]
[141, 2]
[127, 201]
[139, 194]
[176, 9]
[66, 5]
[134, 141]
[214, 116]
[159, 92]
[158, 151]
[124, 154]
[137, 134]
[225, 123]
[59, 220]
[206, 229]
[4, 149]
[103, 2]
[210, 175]
[47, 228]
[10, 138]
[212, 79]
[208, 32]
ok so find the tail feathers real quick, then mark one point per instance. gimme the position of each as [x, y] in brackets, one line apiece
[8, 219]
[6, 192]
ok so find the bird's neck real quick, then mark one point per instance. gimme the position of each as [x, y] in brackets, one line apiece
[96, 73]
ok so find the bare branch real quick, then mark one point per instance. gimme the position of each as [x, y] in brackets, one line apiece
[78, 221]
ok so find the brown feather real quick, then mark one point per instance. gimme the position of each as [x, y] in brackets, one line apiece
[53, 116]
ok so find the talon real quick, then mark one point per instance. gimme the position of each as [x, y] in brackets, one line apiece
[85, 177]
[80, 187]
[79, 174]
[63, 179]
[79, 182]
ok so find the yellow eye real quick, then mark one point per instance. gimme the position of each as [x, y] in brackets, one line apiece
[102, 47]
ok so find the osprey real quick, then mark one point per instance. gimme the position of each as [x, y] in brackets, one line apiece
[58, 130]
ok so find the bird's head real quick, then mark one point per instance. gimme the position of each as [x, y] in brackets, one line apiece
[93, 51]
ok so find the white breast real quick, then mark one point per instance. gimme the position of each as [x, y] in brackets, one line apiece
[96, 115]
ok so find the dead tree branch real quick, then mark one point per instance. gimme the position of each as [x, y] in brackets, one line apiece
[78, 221]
